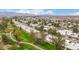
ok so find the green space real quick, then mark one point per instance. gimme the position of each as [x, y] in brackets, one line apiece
[24, 35]
[24, 47]
[12, 35]
[46, 46]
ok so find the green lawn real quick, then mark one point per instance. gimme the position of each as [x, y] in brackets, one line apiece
[27, 47]
[46, 46]
[27, 37]
[24, 35]
[23, 47]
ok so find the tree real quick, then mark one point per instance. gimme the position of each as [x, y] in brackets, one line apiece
[50, 31]
[56, 24]
[41, 28]
[17, 35]
[33, 37]
[42, 35]
[1, 43]
[53, 32]
[3, 24]
[1, 27]
[58, 41]
[75, 30]
[41, 40]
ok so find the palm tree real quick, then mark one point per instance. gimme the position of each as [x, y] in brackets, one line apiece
[59, 42]
[42, 35]
[1, 43]
[33, 37]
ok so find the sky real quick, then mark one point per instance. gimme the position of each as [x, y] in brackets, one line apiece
[44, 11]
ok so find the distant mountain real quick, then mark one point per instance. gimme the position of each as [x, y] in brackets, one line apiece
[26, 14]
[18, 14]
[13, 14]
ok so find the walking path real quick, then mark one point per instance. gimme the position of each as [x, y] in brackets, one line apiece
[25, 42]
[32, 45]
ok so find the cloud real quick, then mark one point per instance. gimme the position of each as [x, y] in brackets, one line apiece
[21, 11]
[76, 13]
[49, 12]
[36, 11]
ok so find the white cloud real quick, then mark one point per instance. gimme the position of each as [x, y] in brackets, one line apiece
[76, 13]
[36, 11]
[49, 12]
[21, 11]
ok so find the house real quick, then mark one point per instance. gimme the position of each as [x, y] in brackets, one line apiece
[68, 33]
[48, 38]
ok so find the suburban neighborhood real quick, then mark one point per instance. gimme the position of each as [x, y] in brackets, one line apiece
[39, 32]
[41, 29]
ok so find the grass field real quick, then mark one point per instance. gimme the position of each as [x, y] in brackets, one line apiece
[24, 35]
[27, 37]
